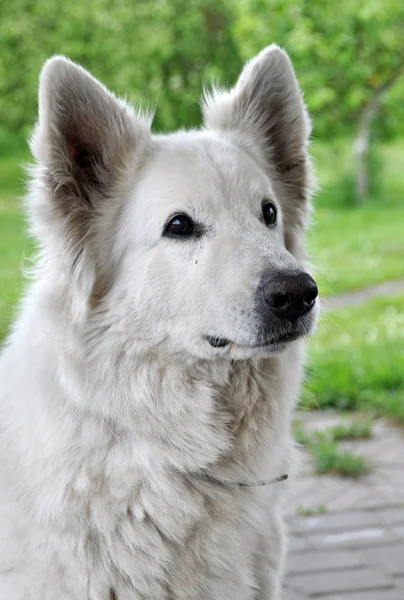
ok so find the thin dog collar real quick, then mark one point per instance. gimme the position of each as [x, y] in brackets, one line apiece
[237, 484]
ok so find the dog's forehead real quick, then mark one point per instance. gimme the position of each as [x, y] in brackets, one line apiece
[200, 166]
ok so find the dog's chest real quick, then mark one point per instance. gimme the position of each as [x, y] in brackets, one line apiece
[141, 543]
[144, 526]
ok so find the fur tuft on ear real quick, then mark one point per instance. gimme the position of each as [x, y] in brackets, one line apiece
[84, 139]
[265, 114]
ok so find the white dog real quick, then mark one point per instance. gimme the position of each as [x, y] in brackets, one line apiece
[148, 384]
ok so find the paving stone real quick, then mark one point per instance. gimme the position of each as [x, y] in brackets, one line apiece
[387, 477]
[374, 536]
[297, 544]
[342, 581]
[389, 496]
[381, 451]
[289, 594]
[310, 562]
[319, 491]
[302, 489]
[369, 595]
[389, 558]
[374, 497]
[360, 494]
[349, 496]
[399, 531]
[336, 521]
[390, 516]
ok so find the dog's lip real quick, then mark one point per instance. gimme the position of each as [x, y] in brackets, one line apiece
[217, 342]
[285, 338]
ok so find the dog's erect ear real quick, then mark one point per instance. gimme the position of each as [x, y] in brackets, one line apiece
[84, 141]
[83, 134]
[266, 115]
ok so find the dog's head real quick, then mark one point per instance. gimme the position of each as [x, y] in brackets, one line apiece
[189, 242]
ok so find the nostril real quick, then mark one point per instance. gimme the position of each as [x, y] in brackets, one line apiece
[280, 301]
[310, 297]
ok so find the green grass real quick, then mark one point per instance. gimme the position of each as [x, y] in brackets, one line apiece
[14, 244]
[356, 429]
[353, 247]
[356, 359]
[323, 446]
[311, 512]
[329, 459]
[356, 247]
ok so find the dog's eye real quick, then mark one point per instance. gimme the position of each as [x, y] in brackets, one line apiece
[269, 213]
[180, 225]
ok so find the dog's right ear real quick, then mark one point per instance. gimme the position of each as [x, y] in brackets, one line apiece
[84, 141]
[83, 134]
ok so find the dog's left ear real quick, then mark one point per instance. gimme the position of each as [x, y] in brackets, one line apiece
[265, 114]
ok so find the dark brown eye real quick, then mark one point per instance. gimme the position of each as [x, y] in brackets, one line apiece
[269, 213]
[180, 225]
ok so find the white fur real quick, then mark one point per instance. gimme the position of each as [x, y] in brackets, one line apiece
[112, 401]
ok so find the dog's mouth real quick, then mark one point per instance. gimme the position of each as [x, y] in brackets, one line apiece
[217, 342]
[280, 339]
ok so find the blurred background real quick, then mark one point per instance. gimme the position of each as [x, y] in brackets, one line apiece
[349, 59]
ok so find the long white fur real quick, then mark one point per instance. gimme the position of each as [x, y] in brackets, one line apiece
[112, 402]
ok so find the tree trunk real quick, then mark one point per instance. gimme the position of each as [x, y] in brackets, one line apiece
[361, 147]
[361, 142]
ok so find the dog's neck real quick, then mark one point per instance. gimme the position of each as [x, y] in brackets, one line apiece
[194, 415]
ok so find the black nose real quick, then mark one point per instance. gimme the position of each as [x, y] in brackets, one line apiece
[290, 296]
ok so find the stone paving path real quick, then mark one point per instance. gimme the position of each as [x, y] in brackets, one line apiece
[384, 486]
[355, 555]
[356, 297]
[355, 551]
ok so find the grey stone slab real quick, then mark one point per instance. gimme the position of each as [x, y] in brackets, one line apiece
[320, 491]
[390, 594]
[389, 558]
[391, 516]
[302, 490]
[375, 497]
[297, 544]
[382, 451]
[373, 536]
[335, 521]
[290, 594]
[311, 562]
[389, 478]
[399, 531]
[389, 496]
[342, 581]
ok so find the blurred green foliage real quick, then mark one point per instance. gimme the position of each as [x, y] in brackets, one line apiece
[155, 52]
[356, 359]
[161, 52]
[343, 54]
